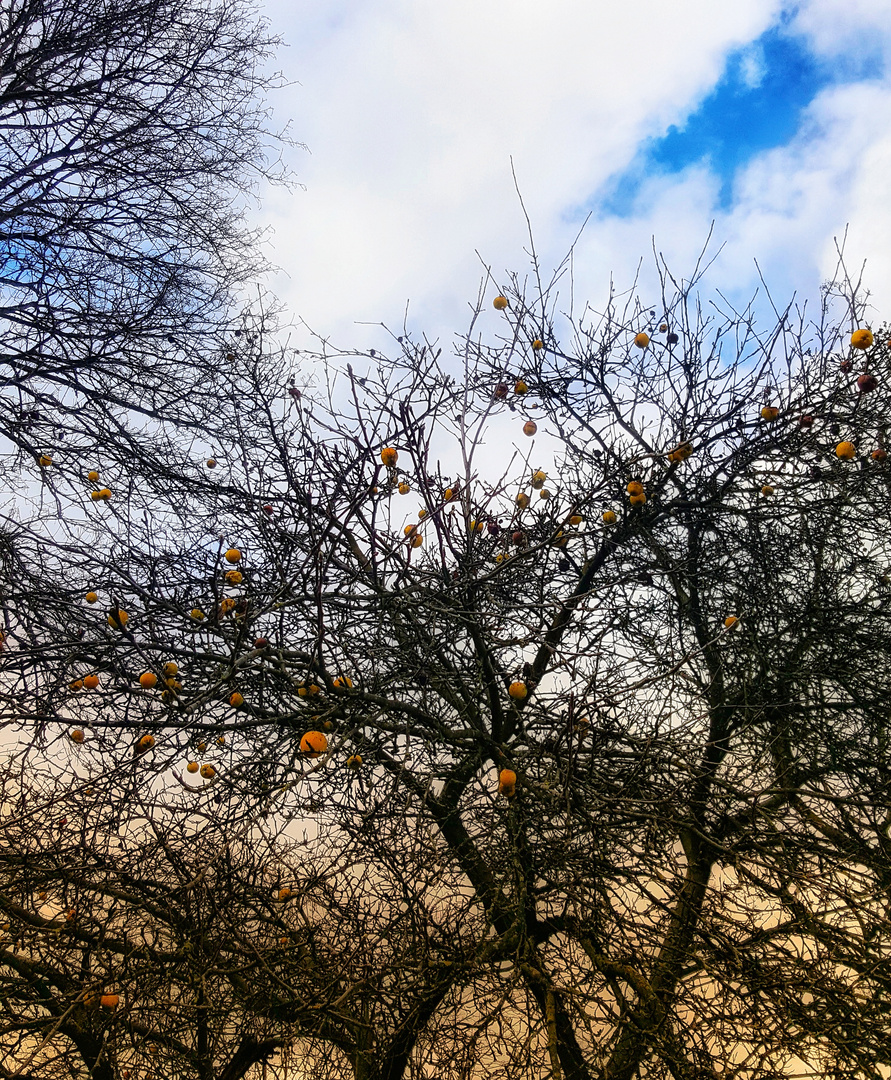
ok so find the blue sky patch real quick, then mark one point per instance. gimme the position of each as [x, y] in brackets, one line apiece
[756, 105]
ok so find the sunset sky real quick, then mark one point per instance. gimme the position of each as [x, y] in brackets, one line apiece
[655, 119]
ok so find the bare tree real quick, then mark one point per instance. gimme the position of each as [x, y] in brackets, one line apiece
[574, 642]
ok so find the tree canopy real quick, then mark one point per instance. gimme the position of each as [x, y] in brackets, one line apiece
[546, 679]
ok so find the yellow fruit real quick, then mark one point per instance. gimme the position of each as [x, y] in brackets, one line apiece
[105, 494]
[171, 668]
[78, 684]
[313, 744]
[93, 476]
[410, 530]
[861, 339]
[731, 620]
[522, 500]
[76, 736]
[197, 614]
[95, 495]
[91, 597]
[681, 453]
[846, 451]
[576, 520]
[202, 746]
[520, 387]
[417, 541]
[192, 767]
[609, 517]
[117, 620]
[227, 605]
[769, 412]
[208, 772]
[767, 490]
[517, 690]
[343, 681]
[148, 679]
[221, 741]
[389, 456]
[422, 514]
[530, 428]
[448, 495]
[354, 761]
[233, 555]
[538, 479]
[499, 303]
[234, 577]
[641, 340]
[637, 500]
[635, 487]
[544, 494]
[507, 783]
[145, 743]
[404, 488]
[537, 344]
[236, 700]
[44, 461]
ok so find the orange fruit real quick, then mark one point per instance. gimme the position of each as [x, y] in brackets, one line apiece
[537, 344]
[148, 679]
[91, 682]
[637, 500]
[91, 597]
[211, 463]
[343, 681]
[234, 577]
[731, 620]
[354, 761]
[208, 772]
[861, 339]
[44, 461]
[389, 456]
[635, 487]
[105, 494]
[417, 541]
[404, 488]
[770, 413]
[313, 744]
[236, 700]
[609, 517]
[499, 303]
[93, 476]
[846, 451]
[192, 767]
[77, 736]
[233, 555]
[145, 743]
[518, 690]
[641, 340]
[118, 619]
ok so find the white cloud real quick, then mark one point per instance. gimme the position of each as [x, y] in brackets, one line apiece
[413, 110]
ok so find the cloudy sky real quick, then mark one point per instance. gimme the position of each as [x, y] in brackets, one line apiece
[654, 118]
